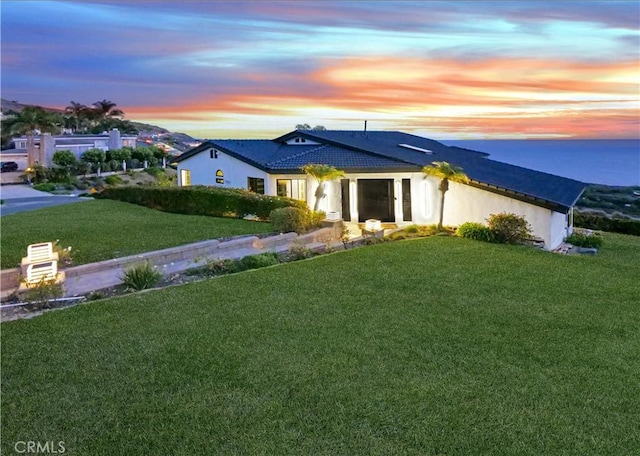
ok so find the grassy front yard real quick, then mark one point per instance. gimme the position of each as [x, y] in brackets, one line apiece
[430, 346]
[103, 229]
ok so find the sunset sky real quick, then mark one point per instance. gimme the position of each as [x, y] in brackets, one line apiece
[441, 69]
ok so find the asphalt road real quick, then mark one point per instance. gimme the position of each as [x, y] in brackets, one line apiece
[21, 198]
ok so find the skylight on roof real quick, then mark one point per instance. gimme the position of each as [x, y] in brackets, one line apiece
[419, 149]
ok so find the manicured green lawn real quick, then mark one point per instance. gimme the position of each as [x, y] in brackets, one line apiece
[103, 229]
[431, 346]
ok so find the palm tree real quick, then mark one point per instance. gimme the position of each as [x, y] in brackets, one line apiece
[27, 121]
[107, 108]
[321, 173]
[445, 172]
[78, 112]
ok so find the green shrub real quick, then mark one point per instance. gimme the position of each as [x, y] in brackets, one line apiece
[399, 235]
[64, 254]
[585, 240]
[315, 219]
[114, 165]
[261, 260]
[141, 277]
[412, 229]
[82, 185]
[155, 172]
[45, 187]
[114, 179]
[476, 231]
[289, 219]
[298, 252]
[201, 200]
[36, 174]
[509, 228]
[41, 293]
[601, 222]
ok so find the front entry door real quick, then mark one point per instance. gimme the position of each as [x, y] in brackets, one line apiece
[375, 200]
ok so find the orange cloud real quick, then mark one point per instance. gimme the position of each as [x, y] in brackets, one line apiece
[494, 96]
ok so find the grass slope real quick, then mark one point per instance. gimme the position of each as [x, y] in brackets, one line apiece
[103, 229]
[431, 346]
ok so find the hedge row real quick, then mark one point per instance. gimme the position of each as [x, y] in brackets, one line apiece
[201, 200]
[594, 221]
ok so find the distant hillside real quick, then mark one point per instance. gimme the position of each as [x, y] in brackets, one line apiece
[9, 106]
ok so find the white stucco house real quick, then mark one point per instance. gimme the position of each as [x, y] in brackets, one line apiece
[384, 180]
[45, 145]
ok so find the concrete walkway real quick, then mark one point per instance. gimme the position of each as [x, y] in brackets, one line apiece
[21, 198]
[20, 191]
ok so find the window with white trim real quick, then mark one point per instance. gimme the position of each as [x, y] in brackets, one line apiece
[292, 188]
[255, 184]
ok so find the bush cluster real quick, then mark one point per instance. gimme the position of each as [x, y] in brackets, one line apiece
[600, 222]
[201, 200]
[45, 187]
[300, 220]
[229, 266]
[476, 231]
[114, 179]
[503, 228]
[509, 228]
[585, 240]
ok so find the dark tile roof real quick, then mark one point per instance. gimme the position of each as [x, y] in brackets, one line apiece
[381, 151]
[338, 157]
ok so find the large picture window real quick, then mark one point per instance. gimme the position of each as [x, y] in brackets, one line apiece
[293, 188]
[255, 184]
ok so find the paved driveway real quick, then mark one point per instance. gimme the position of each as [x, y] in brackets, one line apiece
[20, 198]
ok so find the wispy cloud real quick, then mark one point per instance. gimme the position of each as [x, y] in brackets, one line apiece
[493, 68]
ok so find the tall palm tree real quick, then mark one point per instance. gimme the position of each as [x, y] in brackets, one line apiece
[321, 173]
[445, 172]
[27, 121]
[78, 112]
[106, 108]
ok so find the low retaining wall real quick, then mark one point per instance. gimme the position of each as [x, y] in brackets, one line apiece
[185, 254]
[9, 282]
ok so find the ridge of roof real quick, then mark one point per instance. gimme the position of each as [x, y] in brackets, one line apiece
[301, 154]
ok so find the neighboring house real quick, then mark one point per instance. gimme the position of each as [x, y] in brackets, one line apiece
[384, 180]
[46, 145]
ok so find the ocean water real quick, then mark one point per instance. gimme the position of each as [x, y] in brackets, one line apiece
[601, 161]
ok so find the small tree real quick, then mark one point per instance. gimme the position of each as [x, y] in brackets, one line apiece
[142, 154]
[446, 173]
[65, 159]
[94, 157]
[321, 173]
[119, 156]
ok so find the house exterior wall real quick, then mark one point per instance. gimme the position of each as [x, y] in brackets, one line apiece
[77, 144]
[235, 172]
[469, 204]
[463, 203]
